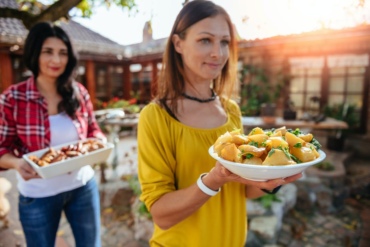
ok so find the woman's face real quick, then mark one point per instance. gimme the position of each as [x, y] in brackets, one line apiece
[53, 58]
[205, 49]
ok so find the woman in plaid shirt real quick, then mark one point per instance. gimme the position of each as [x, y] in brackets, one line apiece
[49, 109]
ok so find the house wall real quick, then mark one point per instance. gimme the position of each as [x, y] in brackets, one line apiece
[86, 74]
[273, 55]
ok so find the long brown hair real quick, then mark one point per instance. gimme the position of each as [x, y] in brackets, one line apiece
[171, 81]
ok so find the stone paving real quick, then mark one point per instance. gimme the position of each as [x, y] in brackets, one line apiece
[346, 227]
[341, 229]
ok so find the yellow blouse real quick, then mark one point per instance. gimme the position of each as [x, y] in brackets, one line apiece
[172, 156]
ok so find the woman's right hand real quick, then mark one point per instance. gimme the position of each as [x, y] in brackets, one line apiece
[25, 170]
[219, 175]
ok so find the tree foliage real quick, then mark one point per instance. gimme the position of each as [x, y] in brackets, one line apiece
[33, 11]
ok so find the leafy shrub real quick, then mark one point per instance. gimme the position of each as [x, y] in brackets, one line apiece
[267, 200]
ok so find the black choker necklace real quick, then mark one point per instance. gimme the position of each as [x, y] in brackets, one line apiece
[213, 97]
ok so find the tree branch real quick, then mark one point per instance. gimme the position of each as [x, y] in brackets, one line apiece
[15, 13]
[54, 12]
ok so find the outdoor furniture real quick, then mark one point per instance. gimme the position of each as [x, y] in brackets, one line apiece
[129, 120]
[113, 120]
[111, 115]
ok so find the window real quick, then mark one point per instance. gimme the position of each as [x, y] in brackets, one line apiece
[109, 81]
[335, 79]
[102, 85]
[116, 76]
[141, 82]
[306, 82]
[346, 81]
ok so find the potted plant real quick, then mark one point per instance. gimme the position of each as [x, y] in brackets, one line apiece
[258, 93]
[344, 112]
[129, 106]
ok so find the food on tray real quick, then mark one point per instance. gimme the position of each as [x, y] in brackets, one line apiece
[66, 152]
[273, 147]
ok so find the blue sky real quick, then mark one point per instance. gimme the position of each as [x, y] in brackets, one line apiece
[252, 18]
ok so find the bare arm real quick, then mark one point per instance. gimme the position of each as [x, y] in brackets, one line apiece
[176, 206]
[9, 161]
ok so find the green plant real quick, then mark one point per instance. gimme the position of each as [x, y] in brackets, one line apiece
[134, 184]
[325, 166]
[344, 112]
[257, 89]
[129, 106]
[267, 200]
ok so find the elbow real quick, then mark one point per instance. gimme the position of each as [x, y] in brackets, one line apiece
[162, 216]
[162, 224]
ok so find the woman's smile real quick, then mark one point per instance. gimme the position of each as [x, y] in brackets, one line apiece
[55, 68]
[213, 65]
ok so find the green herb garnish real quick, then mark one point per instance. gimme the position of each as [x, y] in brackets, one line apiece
[253, 143]
[272, 151]
[249, 156]
[298, 145]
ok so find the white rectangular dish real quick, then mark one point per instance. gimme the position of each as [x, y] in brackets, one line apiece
[70, 164]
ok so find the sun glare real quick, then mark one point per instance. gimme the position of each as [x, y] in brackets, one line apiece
[266, 18]
[252, 18]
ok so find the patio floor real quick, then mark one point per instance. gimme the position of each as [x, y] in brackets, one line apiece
[117, 220]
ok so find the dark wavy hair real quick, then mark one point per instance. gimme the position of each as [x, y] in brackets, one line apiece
[171, 82]
[32, 49]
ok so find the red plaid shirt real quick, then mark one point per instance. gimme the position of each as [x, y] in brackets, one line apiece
[24, 119]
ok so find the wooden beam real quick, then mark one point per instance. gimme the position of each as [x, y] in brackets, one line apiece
[126, 81]
[153, 82]
[6, 71]
[91, 80]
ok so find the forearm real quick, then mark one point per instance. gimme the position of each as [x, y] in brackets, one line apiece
[176, 206]
[8, 161]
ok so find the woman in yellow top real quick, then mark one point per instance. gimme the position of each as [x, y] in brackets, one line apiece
[195, 201]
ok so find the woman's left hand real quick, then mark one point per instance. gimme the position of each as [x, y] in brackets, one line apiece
[25, 170]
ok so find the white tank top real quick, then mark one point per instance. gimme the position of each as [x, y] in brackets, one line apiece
[62, 130]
